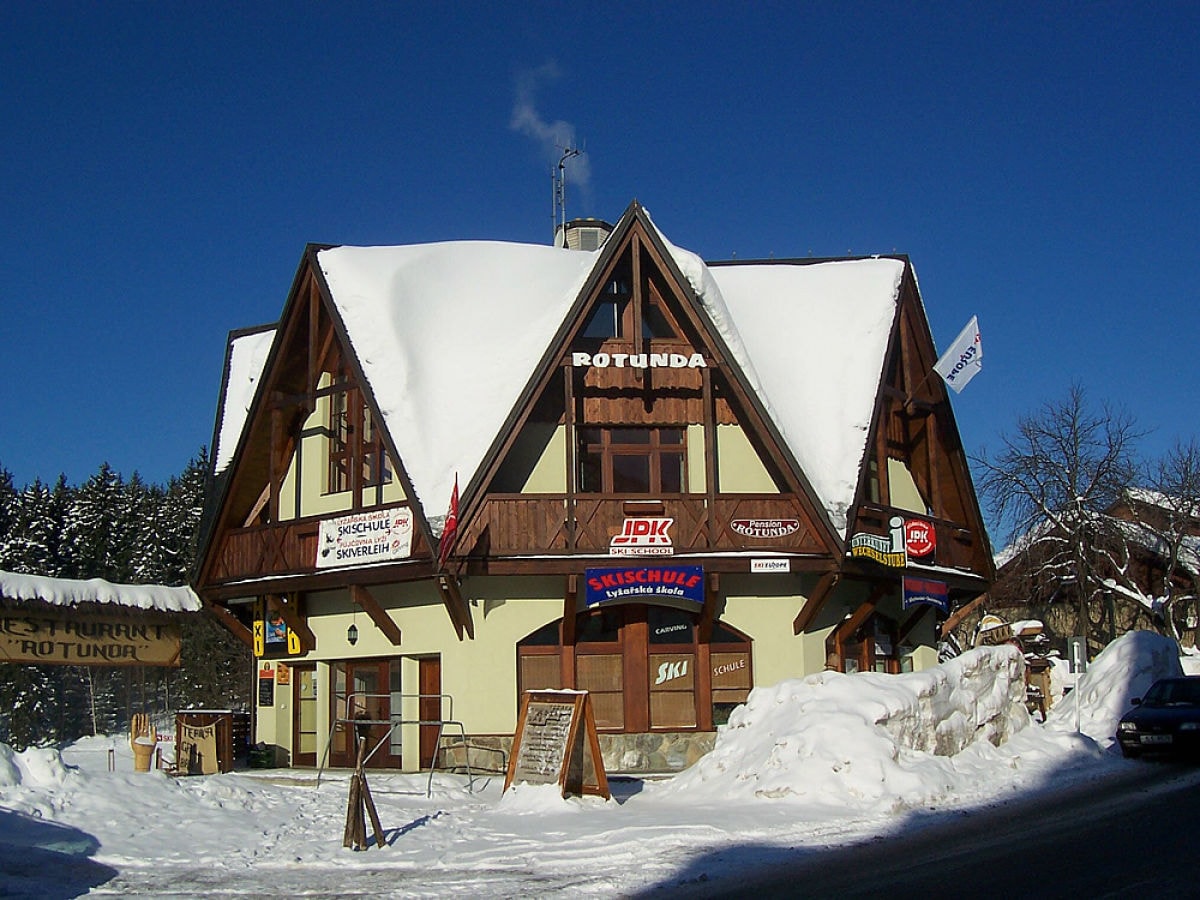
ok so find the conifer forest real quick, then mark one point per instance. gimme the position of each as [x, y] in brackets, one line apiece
[128, 532]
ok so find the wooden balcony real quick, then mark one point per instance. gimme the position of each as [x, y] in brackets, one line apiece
[542, 524]
[284, 548]
[957, 547]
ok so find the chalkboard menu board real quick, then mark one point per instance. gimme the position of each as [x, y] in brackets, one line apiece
[266, 688]
[556, 743]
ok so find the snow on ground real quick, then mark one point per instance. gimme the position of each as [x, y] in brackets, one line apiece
[803, 765]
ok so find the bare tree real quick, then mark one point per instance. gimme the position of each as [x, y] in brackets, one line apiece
[1051, 484]
[1170, 510]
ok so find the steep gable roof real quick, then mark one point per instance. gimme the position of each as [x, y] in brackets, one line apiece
[447, 335]
[817, 334]
[245, 359]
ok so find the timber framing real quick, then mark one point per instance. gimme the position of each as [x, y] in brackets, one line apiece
[260, 545]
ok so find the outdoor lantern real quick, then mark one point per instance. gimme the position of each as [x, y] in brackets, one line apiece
[352, 634]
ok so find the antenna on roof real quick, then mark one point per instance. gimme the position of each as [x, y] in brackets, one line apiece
[559, 181]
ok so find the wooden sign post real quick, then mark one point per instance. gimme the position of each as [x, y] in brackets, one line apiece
[556, 743]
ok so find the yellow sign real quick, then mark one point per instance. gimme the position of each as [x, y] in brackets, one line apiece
[70, 637]
[259, 629]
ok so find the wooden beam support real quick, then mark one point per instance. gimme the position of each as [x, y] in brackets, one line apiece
[856, 619]
[708, 612]
[231, 622]
[907, 626]
[570, 604]
[961, 613]
[460, 614]
[820, 593]
[364, 598]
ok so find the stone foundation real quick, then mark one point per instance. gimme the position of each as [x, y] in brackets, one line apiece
[624, 754]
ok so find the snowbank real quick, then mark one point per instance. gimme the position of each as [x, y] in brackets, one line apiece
[1126, 668]
[866, 741]
[804, 764]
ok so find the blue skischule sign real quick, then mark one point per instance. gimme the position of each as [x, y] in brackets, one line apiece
[923, 590]
[649, 582]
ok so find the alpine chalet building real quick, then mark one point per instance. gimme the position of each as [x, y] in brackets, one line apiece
[454, 472]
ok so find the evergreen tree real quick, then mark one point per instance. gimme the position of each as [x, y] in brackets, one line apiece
[8, 499]
[95, 534]
[34, 542]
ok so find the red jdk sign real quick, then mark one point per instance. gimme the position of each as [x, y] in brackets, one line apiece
[647, 535]
[920, 539]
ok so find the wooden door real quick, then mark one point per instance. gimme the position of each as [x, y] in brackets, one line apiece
[429, 674]
[366, 691]
[304, 715]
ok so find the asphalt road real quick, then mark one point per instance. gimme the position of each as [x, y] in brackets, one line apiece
[1133, 834]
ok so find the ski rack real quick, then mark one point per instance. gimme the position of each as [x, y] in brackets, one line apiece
[359, 701]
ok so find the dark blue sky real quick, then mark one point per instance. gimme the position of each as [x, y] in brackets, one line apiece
[165, 164]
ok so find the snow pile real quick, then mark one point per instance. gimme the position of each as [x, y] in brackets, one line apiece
[803, 765]
[867, 741]
[1126, 668]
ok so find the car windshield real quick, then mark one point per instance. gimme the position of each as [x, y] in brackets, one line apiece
[1174, 692]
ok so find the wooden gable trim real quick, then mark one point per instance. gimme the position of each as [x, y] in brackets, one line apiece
[385, 623]
[310, 325]
[749, 404]
[635, 232]
[352, 362]
[912, 391]
[472, 496]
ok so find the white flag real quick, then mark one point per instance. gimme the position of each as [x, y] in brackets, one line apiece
[963, 358]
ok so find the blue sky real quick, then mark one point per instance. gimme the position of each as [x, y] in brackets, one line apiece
[165, 164]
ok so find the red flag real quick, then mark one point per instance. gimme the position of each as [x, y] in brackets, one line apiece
[450, 529]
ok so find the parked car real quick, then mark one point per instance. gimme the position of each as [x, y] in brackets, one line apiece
[1166, 720]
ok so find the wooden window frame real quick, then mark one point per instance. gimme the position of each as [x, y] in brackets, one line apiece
[654, 450]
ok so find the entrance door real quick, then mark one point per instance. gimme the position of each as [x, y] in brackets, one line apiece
[304, 715]
[366, 692]
[429, 669]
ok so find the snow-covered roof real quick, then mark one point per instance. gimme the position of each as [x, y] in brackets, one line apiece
[817, 334]
[72, 592]
[247, 358]
[449, 334]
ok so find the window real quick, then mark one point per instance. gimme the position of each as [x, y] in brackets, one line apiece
[612, 317]
[338, 430]
[632, 461]
[348, 415]
[640, 665]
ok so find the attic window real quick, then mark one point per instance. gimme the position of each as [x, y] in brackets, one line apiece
[613, 318]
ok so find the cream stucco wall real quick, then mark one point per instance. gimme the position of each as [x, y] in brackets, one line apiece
[479, 675]
[549, 475]
[741, 469]
[902, 490]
